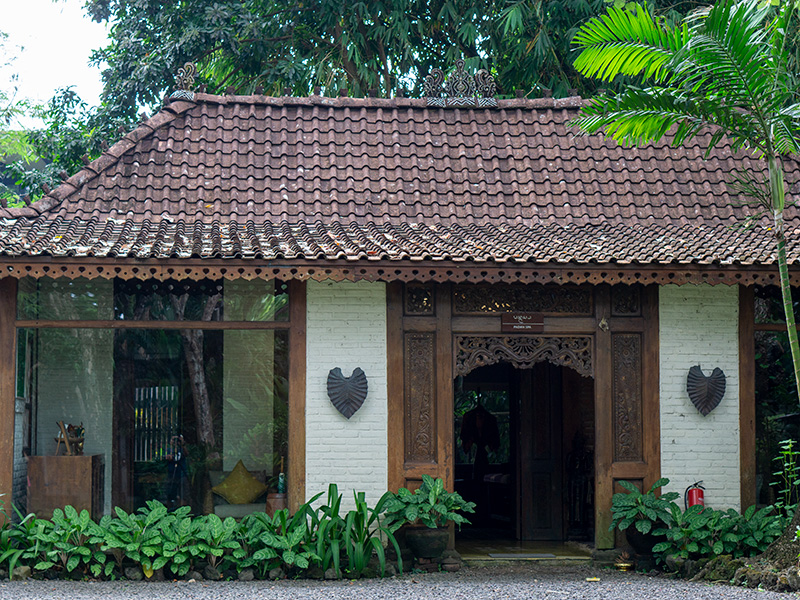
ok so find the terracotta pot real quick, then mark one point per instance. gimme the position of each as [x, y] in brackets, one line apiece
[425, 542]
[643, 543]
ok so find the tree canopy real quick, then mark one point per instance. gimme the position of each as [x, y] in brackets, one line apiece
[295, 46]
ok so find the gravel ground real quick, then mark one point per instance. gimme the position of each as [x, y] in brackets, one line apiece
[496, 583]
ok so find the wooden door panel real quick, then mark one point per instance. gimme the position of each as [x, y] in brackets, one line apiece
[420, 385]
[540, 465]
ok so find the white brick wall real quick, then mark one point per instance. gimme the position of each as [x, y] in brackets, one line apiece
[346, 328]
[699, 326]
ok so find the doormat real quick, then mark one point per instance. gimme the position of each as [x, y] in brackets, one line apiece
[520, 555]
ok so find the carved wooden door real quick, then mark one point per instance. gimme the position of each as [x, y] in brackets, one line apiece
[626, 396]
[420, 384]
[540, 452]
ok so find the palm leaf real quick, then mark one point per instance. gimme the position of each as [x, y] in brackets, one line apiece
[627, 42]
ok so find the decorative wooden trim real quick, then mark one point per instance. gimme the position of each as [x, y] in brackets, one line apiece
[747, 397]
[502, 298]
[626, 301]
[523, 351]
[8, 343]
[118, 324]
[434, 271]
[394, 381]
[626, 391]
[420, 415]
[297, 395]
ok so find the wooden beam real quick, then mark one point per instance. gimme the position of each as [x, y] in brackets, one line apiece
[444, 386]
[120, 324]
[297, 395]
[394, 380]
[651, 409]
[747, 397]
[8, 344]
[604, 425]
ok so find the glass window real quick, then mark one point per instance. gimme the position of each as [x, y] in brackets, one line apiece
[64, 299]
[777, 414]
[171, 411]
[82, 299]
[769, 304]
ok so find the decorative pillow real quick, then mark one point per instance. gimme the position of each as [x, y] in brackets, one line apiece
[240, 487]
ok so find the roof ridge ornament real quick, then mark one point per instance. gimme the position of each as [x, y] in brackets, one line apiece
[184, 82]
[460, 89]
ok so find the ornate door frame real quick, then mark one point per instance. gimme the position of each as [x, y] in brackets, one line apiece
[621, 324]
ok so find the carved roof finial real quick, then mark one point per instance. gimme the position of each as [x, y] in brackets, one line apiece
[184, 82]
[460, 88]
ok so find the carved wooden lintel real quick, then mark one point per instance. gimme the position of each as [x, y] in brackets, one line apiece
[523, 352]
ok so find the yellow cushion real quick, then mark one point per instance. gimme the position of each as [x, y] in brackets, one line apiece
[240, 487]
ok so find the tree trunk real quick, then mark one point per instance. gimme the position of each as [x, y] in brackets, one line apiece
[193, 352]
[777, 195]
[783, 552]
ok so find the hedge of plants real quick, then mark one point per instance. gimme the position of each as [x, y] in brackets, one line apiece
[697, 532]
[173, 544]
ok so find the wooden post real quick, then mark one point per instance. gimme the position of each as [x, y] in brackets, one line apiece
[604, 425]
[8, 343]
[297, 394]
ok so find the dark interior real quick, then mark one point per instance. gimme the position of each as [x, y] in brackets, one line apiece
[524, 448]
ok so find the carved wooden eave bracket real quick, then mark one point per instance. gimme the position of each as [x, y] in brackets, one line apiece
[523, 352]
[460, 88]
[433, 271]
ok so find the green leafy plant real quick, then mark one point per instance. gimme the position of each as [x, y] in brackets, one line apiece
[328, 526]
[788, 474]
[645, 511]
[15, 539]
[362, 533]
[217, 540]
[289, 540]
[181, 542]
[701, 532]
[137, 536]
[431, 505]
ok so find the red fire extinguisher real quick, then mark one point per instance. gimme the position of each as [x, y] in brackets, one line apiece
[694, 495]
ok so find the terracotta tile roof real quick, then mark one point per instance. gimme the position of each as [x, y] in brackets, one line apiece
[355, 179]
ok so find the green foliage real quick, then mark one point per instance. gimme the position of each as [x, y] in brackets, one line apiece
[788, 474]
[431, 504]
[14, 539]
[643, 510]
[137, 536]
[702, 532]
[154, 538]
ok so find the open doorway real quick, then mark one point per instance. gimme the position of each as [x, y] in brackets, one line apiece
[524, 450]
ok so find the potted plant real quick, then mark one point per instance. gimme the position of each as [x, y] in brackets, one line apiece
[649, 514]
[427, 511]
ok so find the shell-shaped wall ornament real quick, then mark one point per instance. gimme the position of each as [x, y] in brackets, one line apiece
[347, 394]
[705, 392]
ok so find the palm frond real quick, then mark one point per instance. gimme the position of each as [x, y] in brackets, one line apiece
[627, 42]
[638, 116]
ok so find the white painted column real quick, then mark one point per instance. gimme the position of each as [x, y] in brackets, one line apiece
[346, 328]
[698, 325]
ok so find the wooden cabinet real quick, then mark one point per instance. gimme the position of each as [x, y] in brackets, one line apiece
[55, 481]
